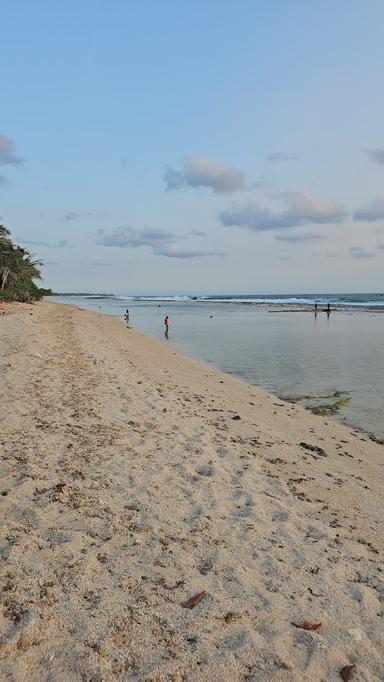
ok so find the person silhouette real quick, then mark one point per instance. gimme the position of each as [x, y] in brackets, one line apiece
[166, 326]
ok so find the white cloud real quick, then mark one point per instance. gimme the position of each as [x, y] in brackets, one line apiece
[173, 178]
[32, 242]
[359, 252]
[98, 264]
[174, 251]
[370, 212]
[7, 152]
[128, 237]
[162, 242]
[63, 243]
[297, 238]
[376, 155]
[198, 171]
[72, 215]
[302, 209]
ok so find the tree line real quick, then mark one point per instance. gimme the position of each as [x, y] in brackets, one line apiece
[18, 270]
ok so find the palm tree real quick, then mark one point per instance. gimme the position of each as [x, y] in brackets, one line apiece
[17, 268]
[6, 253]
[26, 267]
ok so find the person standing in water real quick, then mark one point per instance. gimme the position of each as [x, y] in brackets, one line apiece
[328, 309]
[126, 317]
[166, 326]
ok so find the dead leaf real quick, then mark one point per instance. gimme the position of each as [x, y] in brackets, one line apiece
[347, 672]
[193, 601]
[60, 487]
[307, 625]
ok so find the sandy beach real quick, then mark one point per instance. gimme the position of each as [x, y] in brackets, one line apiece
[134, 478]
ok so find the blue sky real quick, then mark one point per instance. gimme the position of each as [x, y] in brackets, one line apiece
[191, 147]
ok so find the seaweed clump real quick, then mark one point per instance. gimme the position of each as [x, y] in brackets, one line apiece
[330, 408]
[320, 407]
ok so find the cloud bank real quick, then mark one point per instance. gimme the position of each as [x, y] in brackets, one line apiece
[198, 171]
[376, 155]
[62, 244]
[299, 238]
[302, 209]
[128, 237]
[7, 152]
[370, 212]
[162, 242]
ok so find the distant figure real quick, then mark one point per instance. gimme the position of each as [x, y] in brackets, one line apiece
[126, 317]
[328, 310]
[315, 308]
[166, 326]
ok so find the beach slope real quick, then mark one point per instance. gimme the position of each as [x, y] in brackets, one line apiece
[133, 479]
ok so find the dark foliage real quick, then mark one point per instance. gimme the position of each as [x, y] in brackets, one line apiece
[18, 270]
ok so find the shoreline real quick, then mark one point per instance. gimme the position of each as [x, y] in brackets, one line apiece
[276, 307]
[340, 412]
[142, 477]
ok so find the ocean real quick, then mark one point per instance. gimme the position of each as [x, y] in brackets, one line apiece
[333, 364]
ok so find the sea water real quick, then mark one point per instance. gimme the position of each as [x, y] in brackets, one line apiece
[265, 341]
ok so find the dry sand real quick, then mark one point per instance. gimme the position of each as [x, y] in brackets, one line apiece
[133, 478]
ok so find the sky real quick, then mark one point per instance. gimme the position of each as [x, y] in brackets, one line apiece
[189, 147]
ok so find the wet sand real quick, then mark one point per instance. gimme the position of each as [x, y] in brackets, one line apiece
[134, 478]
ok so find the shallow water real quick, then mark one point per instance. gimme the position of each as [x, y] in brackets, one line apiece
[288, 353]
